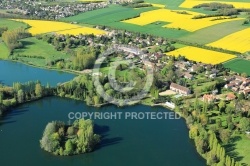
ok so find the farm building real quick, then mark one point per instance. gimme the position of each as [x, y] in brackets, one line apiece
[180, 89]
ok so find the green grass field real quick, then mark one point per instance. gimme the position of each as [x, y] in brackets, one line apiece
[207, 35]
[239, 148]
[11, 24]
[238, 65]
[171, 4]
[114, 14]
[35, 47]
[4, 52]
[105, 16]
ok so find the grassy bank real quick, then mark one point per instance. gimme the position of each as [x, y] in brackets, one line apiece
[34, 48]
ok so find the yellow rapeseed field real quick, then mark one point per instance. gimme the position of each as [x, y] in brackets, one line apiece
[202, 55]
[238, 41]
[191, 3]
[83, 30]
[39, 27]
[176, 19]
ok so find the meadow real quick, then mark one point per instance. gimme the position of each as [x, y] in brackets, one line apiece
[11, 24]
[169, 3]
[241, 147]
[235, 3]
[4, 52]
[156, 5]
[39, 27]
[177, 19]
[238, 65]
[207, 35]
[114, 15]
[238, 41]
[34, 47]
[202, 55]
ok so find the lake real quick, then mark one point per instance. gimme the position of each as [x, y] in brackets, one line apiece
[124, 142]
[17, 72]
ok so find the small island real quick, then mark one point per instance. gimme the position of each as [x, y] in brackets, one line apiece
[66, 140]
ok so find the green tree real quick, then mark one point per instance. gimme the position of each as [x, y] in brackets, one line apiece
[218, 123]
[71, 131]
[1, 97]
[225, 135]
[244, 75]
[245, 124]
[69, 147]
[222, 105]
[96, 100]
[38, 90]
[20, 96]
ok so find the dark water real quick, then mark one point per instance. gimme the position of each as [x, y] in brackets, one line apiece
[124, 143]
[17, 72]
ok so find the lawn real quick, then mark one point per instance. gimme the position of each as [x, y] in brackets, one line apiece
[240, 147]
[35, 47]
[4, 52]
[203, 86]
[238, 65]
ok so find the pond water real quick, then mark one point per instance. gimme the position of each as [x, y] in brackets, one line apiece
[17, 72]
[124, 142]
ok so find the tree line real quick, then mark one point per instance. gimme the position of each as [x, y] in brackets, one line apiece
[22, 92]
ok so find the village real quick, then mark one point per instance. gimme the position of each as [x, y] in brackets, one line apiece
[39, 10]
[210, 83]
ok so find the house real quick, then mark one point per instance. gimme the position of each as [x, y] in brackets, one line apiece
[235, 89]
[240, 78]
[246, 82]
[181, 65]
[194, 68]
[230, 96]
[188, 76]
[246, 92]
[230, 85]
[180, 89]
[208, 98]
[230, 78]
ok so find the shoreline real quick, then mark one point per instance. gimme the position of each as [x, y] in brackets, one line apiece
[96, 106]
[44, 67]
